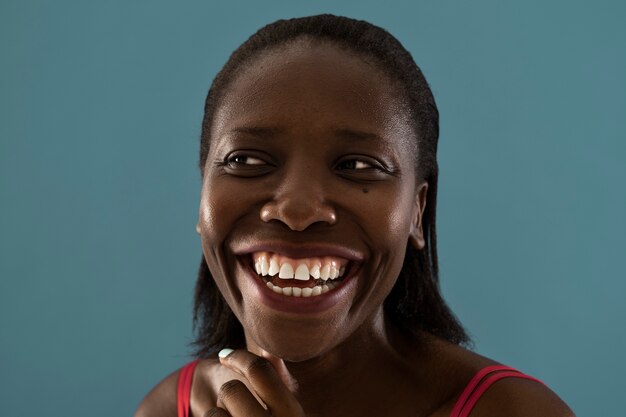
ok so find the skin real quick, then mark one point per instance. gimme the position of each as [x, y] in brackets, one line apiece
[282, 168]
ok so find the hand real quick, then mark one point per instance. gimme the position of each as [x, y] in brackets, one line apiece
[268, 378]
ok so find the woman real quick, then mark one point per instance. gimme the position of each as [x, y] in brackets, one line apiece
[317, 222]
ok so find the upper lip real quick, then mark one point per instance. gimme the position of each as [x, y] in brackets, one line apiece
[301, 250]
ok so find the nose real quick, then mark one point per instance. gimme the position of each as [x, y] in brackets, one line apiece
[299, 204]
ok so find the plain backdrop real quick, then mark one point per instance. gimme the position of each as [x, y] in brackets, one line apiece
[100, 111]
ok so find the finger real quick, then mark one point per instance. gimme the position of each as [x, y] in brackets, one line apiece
[216, 412]
[281, 370]
[239, 401]
[264, 380]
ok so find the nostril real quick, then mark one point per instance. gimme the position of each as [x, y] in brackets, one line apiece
[298, 215]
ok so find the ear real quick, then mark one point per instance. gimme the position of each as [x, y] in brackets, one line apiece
[417, 232]
[198, 228]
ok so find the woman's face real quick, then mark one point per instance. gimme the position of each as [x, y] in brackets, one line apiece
[309, 197]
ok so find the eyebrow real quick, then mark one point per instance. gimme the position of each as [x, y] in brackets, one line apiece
[269, 132]
[262, 132]
[357, 135]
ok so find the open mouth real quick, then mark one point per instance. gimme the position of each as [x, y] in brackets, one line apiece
[300, 277]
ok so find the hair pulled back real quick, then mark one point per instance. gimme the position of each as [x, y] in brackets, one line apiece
[415, 302]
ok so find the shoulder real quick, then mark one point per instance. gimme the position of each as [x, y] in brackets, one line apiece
[516, 397]
[161, 401]
[511, 397]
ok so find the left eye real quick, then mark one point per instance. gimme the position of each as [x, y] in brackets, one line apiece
[356, 164]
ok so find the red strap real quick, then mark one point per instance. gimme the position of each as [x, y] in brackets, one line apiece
[477, 387]
[485, 385]
[185, 377]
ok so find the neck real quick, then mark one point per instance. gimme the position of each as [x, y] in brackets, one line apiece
[352, 378]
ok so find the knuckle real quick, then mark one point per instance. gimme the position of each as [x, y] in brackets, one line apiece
[257, 366]
[230, 389]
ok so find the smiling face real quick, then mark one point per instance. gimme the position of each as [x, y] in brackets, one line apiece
[309, 197]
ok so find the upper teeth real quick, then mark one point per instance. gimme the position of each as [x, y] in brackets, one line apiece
[327, 267]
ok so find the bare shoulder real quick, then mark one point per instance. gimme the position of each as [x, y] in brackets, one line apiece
[161, 400]
[511, 397]
[516, 397]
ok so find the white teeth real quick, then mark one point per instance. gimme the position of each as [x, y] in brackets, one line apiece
[286, 271]
[302, 273]
[325, 272]
[264, 266]
[301, 269]
[273, 270]
[301, 292]
[315, 271]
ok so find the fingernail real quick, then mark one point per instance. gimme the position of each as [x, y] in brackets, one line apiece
[224, 352]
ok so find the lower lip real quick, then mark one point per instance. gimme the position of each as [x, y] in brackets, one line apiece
[302, 305]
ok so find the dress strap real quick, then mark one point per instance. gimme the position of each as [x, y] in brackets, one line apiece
[480, 383]
[185, 377]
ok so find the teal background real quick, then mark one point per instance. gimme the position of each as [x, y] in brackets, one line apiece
[100, 110]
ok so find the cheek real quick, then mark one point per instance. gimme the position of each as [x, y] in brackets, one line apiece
[388, 214]
[219, 209]
[217, 214]
[209, 224]
[393, 212]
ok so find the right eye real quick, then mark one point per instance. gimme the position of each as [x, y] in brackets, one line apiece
[246, 164]
[236, 160]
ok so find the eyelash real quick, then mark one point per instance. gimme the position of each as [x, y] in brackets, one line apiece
[362, 161]
[233, 161]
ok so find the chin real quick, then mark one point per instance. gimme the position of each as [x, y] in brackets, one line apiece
[299, 345]
[294, 356]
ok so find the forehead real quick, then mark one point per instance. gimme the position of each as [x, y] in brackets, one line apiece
[313, 85]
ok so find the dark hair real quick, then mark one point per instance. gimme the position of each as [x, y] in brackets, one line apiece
[415, 302]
